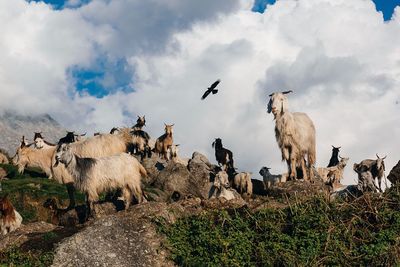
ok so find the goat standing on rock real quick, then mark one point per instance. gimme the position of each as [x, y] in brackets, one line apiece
[295, 134]
[164, 142]
[223, 156]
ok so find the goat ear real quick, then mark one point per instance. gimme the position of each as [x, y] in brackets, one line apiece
[177, 144]
[271, 94]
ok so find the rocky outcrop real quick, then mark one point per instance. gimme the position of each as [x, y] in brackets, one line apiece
[394, 175]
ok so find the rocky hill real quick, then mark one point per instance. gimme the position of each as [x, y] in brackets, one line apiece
[13, 126]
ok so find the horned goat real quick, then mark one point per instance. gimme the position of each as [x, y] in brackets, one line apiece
[40, 143]
[94, 176]
[376, 167]
[223, 156]
[335, 157]
[140, 122]
[272, 179]
[295, 134]
[164, 141]
[10, 219]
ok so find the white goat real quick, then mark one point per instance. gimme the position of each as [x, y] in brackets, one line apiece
[333, 174]
[40, 143]
[96, 175]
[222, 186]
[242, 183]
[295, 134]
[173, 154]
[272, 179]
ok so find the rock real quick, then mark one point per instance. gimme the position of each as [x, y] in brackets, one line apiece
[123, 239]
[200, 158]
[22, 234]
[153, 167]
[394, 175]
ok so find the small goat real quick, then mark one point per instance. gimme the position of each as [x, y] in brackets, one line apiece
[335, 157]
[222, 186]
[96, 175]
[65, 217]
[10, 219]
[333, 174]
[173, 154]
[40, 143]
[140, 122]
[295, 134]
[164, 141]
[272, 179]
[223, 156]
[242, 183]
[140, 143]
[376, 167]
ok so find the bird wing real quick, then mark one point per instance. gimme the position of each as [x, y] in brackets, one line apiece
[206, 93]
[215, 84]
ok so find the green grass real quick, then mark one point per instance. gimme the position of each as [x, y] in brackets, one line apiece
[16, 257]
[311, 232]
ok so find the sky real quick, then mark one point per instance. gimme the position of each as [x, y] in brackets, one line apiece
[93, 65]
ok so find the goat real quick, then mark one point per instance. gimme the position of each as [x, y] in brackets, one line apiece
[40, 143]
[334, 158]
[164, 141]
[271, 179]
[222, 186]
[376, 167]
[26, 156]
[68, 139]
[65, 217]
[3, 158]
[10, 219]
[223, 156]
[140, 122]
[333, 174]
[295, 135]
[242, 183]
[94, 176]
[173, 154]
[140, 143]
[114, 130]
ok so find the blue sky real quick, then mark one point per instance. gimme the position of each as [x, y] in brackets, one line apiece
[108, 77]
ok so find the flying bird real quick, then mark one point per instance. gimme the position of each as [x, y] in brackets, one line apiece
[211, 89]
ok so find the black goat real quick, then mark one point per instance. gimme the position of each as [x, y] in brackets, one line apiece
[223, 156]
[335, 157]
[69, 138]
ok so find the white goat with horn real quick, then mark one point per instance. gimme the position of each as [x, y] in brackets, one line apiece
[96, 175]
[295, 134]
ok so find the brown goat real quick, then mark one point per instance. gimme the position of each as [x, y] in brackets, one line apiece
[10, 219]
[164, 142]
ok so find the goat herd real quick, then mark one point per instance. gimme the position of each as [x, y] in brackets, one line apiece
[104, 162]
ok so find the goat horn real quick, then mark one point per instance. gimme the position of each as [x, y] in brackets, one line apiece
[384, 157]
[287, 92]
[377, 156]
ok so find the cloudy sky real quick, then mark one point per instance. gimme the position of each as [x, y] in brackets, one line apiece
[97, 64]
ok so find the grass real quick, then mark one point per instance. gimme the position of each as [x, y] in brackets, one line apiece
[310, 232]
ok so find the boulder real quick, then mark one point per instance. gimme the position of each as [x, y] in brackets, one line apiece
[394, 175]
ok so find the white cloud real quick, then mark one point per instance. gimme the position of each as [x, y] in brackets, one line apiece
[339, 57]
